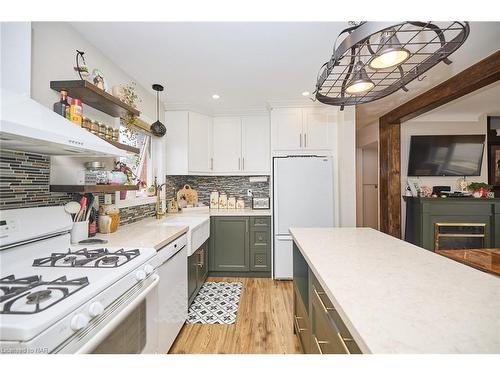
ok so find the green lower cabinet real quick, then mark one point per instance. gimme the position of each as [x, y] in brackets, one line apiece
[260, 244]
[240, 245]
[316, 322]
[197, 271]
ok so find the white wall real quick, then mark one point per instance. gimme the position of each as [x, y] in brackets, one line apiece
[54, 46]
[415, 127]
[346, 146]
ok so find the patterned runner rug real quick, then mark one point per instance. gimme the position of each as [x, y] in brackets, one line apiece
[216, 303]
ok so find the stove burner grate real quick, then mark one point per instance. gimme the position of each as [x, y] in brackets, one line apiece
[37, 297]
[98, 258]
[18, 290]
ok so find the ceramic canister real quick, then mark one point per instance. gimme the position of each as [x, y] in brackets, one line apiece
[214, 199]
[222, 201]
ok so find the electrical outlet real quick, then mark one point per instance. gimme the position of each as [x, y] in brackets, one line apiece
[107, 199]
[249, 192]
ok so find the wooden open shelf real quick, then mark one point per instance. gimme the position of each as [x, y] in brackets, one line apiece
[122, 146]
[91, 188]
[94, 97]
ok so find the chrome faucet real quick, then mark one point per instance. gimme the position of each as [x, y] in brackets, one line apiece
[159, 212]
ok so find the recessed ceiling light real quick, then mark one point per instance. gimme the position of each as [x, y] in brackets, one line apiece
[215, 96]
[306, 93]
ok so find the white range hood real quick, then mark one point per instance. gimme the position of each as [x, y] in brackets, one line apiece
[25, 124]
[29, 126]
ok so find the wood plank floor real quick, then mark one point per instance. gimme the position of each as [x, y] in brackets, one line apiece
[263, 324]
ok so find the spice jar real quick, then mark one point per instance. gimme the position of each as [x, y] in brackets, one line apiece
[109, 132]
[94, 127]
[86, 123]
[96, 168]
[102, 130]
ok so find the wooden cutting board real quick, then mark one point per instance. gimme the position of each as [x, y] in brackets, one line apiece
[188, 194]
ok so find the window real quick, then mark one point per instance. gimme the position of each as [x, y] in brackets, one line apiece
[140, 164]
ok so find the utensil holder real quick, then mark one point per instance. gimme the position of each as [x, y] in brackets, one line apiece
[79, 231]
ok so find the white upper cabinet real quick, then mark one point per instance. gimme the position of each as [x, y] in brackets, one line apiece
[227, 145]
[286, 128]
[200, 143]
[302, 129]
[317, 129]
[255, 145]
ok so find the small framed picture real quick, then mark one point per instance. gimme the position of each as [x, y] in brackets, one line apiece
[414, 186]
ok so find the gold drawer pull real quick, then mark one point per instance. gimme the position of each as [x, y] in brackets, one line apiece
[342, 340]
[319, 343]
[297, 324]
[327, 309]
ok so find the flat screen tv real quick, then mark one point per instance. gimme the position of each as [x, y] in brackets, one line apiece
[446, 155]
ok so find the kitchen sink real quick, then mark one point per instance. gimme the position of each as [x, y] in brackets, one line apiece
[199, 228]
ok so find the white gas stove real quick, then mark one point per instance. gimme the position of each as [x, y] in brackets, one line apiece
[54, 298]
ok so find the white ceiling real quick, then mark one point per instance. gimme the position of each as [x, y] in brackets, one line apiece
[468, 108]
[246, 63]
[250, 64]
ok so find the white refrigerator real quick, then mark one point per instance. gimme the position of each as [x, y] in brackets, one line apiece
[302, 197]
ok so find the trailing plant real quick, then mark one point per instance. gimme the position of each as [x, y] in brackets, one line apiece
[130, 97]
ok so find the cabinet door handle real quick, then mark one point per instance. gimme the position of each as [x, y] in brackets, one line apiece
[327, 309]
[243, 164]
[246, 226]
[239, 164]
[319, 343]
[300, 139]
[342, 340]
[305, 139]
[297, 324]
[211, 163]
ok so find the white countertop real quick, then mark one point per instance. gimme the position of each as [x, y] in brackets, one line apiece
[144, 233]
[398, 298]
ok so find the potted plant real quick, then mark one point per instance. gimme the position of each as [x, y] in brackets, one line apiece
[479, 189]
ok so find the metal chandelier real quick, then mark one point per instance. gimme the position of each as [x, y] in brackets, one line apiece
[375, 59]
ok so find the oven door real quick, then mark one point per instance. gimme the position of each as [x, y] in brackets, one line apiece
[126, 327]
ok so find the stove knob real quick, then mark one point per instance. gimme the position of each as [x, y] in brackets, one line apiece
[95, 309]
[140, 275]
[148, 268]
[78, 322]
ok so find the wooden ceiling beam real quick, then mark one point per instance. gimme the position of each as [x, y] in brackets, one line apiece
[481, 74]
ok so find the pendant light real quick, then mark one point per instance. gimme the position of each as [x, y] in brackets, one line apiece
[390, 52]
[360, 82]
[157, 128]
[404, 51]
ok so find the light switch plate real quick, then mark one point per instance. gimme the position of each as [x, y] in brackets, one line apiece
[107, 199]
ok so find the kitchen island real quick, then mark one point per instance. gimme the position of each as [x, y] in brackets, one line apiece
[394, 297]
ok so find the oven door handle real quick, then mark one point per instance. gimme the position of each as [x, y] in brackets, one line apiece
[103, 333]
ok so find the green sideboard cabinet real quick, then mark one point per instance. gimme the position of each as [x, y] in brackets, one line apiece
[458, 216]
[240, 245]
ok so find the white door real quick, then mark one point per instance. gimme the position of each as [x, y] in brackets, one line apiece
[303, 193]
[256, 145]
[200, 143]
[227, 145]
[283, 257]
[317, 129]
[286, 127]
